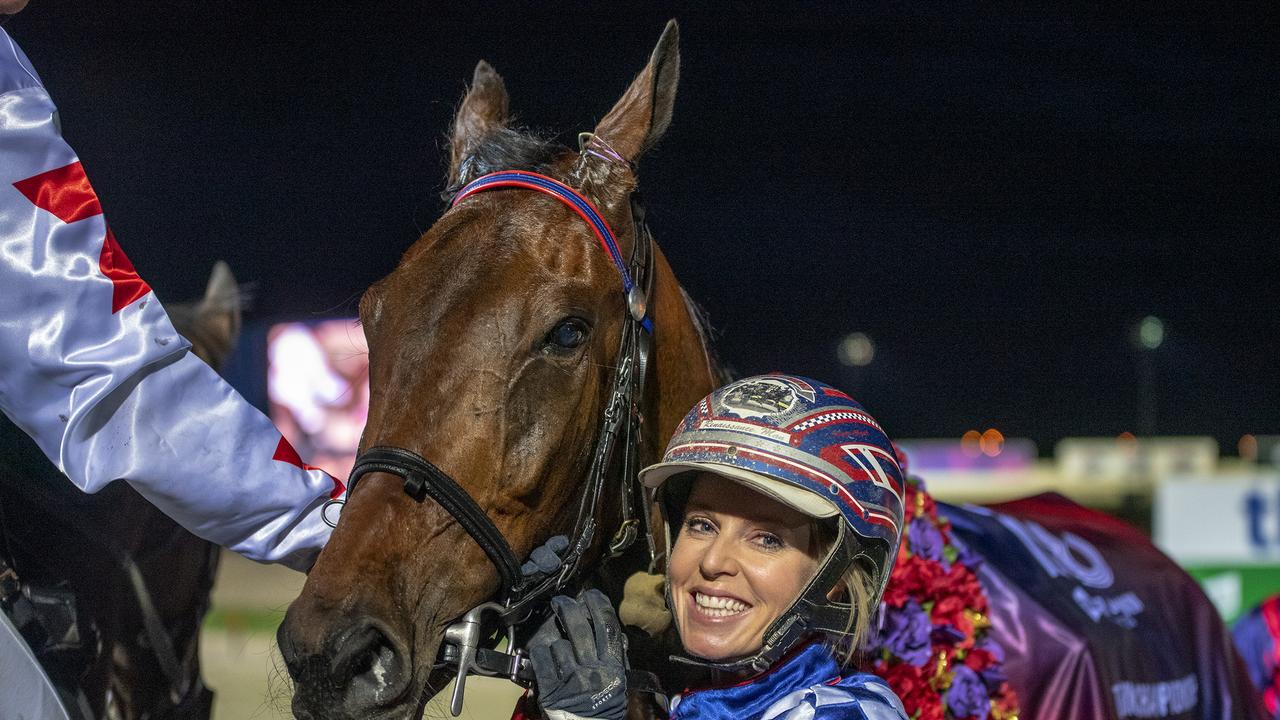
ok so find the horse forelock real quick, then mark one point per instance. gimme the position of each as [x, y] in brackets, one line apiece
[509, 149]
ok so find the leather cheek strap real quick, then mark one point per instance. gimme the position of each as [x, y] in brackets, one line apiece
[423, 479]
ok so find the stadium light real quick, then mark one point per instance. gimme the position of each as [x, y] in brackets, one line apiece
[856, 350]
[1151, 332]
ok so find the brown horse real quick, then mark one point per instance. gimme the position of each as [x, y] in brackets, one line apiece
[491, 346]
[140, 581]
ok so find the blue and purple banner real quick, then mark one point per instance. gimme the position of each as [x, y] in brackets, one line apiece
[1096, 623]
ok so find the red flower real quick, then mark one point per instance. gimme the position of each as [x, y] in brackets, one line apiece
[1004, 702]
[978, 659]
[951, 611]
[960, 583]
[912, 577]
[955, 599]
[919, 501]
[912, 688]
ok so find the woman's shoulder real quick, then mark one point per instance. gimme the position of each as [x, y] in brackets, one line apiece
[858, 696]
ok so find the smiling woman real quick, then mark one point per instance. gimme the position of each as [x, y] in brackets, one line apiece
[783, 500]
[741, 559]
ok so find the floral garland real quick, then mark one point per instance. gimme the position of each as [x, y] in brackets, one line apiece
[932, 644]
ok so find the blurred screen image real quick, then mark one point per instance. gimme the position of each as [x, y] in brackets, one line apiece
[318, 389]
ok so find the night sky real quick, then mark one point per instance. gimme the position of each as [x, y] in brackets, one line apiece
[996, 197]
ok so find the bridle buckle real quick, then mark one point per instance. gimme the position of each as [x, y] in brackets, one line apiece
[627, 534]
[466, 635]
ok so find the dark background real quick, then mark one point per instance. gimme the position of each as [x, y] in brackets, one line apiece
[996, 196]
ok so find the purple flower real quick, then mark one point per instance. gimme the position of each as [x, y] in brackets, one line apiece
[905, 632]
[994, 676]
[990, 645]
[967, 696]
[969, 558]
[924, 539]
[946, 635]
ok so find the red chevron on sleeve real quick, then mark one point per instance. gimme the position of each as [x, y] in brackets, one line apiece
[66, 193]
[63, 191]
[286, 454]
[127, 286]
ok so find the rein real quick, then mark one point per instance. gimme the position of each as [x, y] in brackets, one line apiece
[621, 422]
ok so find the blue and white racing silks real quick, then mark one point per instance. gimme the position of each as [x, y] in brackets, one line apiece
[91, 367]
[806, 685]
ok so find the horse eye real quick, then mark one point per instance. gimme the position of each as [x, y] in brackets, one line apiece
[568, 334]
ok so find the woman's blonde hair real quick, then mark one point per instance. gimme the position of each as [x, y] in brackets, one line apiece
[855, 588]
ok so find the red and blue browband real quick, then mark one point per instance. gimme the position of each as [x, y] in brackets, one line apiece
[584, 209]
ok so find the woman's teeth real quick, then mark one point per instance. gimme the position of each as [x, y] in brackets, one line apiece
[718, 606]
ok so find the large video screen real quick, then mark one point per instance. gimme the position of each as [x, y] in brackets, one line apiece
[318, 389]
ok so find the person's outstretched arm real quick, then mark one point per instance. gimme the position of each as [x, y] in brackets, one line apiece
[91, 367]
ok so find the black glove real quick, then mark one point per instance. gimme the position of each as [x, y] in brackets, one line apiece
[545, 559]
[579, 658]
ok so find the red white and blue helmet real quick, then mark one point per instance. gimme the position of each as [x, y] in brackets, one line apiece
[815, 449]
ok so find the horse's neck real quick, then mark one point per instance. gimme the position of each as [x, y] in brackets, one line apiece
[685, 369]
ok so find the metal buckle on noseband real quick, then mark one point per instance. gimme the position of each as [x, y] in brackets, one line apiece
[462, 646]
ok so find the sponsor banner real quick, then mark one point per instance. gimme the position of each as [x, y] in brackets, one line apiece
[1202, 520]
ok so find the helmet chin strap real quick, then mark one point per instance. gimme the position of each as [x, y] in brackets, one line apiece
[812, 614]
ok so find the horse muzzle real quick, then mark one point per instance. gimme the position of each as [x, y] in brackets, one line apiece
[360, 669]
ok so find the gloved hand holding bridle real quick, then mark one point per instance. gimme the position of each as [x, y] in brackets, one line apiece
[579, 659]
[545, 559]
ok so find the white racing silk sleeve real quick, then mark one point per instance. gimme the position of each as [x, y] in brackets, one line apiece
[91, 367]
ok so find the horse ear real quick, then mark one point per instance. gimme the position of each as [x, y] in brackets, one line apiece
[218, 313]
[643, 113]
[482, 111]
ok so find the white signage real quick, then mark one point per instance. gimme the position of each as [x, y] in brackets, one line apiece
[1201, 520]
[1136, 458]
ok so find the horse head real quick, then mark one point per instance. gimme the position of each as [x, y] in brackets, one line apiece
[492, 353]
[212, 323]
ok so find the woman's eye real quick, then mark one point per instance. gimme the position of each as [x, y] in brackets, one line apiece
[698, 525]
[770, 542]
[568, 334]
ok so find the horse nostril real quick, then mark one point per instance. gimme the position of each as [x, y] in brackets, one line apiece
[288, 649]
[372, 662]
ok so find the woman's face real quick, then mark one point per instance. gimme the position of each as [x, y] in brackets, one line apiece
[740, 560]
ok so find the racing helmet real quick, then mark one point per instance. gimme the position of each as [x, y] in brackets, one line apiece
[815, 449]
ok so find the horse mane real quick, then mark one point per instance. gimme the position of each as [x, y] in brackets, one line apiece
[707, 335]
[507, 149]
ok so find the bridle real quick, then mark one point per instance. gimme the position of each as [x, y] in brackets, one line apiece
[619, 433]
